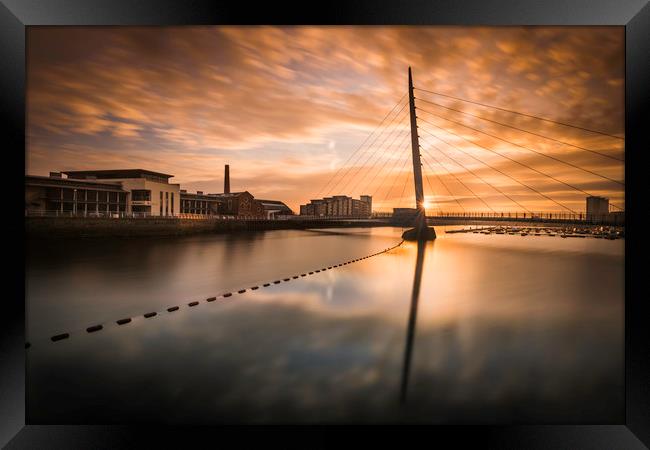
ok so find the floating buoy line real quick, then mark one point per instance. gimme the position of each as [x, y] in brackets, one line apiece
[171, 309]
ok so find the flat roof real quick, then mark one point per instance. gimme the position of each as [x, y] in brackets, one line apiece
[232, 194]
[114, 173]
[203, 196]
[37, 180]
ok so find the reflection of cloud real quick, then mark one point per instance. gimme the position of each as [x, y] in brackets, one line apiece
[491, 345]
[191, 98]
[274, 363]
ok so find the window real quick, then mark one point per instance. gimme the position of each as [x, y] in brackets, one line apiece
[139, 195]
[166, 203]
[161, 202]
[172, 203]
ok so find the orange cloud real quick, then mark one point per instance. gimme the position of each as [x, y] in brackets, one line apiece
[270, 100]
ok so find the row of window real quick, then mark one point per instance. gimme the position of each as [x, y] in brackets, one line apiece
[85, 195]
[85, 208]
[92, 198]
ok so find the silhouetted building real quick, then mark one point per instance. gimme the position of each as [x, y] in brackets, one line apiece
[597, 206]
[404, 215]
[338, 206]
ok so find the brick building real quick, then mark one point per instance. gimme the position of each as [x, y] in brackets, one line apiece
[338, 206]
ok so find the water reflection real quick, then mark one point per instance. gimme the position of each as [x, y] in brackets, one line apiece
[410, 332]
[508, 331]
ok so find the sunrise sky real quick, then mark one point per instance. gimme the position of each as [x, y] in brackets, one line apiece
[287, 106]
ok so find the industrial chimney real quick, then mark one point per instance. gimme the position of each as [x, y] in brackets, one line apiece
[226, 180]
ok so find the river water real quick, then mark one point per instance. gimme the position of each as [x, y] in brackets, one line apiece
[502, 329]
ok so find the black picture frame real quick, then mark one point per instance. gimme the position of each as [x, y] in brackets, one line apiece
[15, 15]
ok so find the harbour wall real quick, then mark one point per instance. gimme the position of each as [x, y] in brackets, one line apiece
[55, 227]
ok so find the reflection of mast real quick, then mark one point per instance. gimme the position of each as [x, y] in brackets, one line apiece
[420, 231]
[415, 294]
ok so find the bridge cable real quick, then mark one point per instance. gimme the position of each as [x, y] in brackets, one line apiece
[408, 177]
[518, 145]
[514, 160]
[441, 180]
[470, 171]
[406, 160]
[505, 174]
[392, 169]
[403, 140]
[433, 192]
[521, 129]
[360, 146]
[395, 128]
[355, 163]
[522, 114]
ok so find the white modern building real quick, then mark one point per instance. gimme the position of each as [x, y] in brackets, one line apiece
[150, 192]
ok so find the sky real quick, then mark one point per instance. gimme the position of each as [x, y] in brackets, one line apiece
[297, 111]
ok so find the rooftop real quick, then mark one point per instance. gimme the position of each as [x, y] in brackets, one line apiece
[115, 174]
[37, 180]
[231, 194]
[277, 202]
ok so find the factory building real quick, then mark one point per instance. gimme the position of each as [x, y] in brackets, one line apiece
[338, 206]
[239, 204]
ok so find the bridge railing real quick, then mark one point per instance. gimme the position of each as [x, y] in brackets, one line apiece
[611, 218]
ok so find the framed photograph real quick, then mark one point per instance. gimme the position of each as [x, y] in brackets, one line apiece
[373, 213]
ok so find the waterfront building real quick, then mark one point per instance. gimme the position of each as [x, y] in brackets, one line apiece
[404, 216]
[103, 192]
[338, 206]
[137, 192]
[58, 195]
[597, 206]
[275, 208]
[151, 193]
[241, 204]
[227, 203]
[199, 203]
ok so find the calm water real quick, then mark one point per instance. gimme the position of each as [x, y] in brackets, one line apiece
[502, 329]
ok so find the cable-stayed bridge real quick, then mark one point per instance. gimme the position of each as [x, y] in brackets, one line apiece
[481, 161]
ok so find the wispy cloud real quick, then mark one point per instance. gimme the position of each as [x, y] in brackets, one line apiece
[286, 106]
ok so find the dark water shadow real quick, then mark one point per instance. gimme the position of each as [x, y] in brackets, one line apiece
[410, 333]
